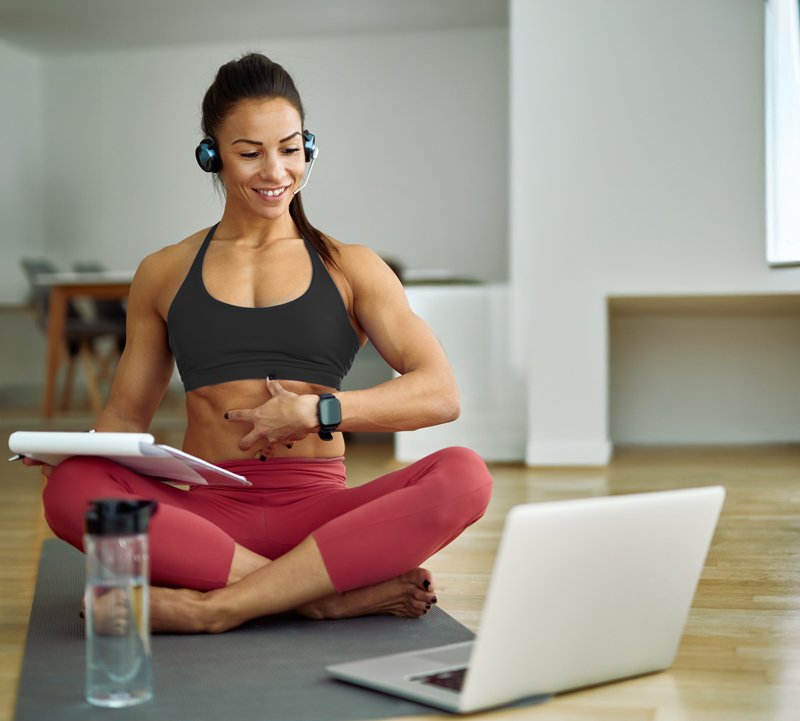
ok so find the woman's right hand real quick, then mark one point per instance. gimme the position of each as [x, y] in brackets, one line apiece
[285, 417]
[47, 469]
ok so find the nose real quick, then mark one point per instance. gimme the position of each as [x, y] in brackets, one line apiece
[272, 167]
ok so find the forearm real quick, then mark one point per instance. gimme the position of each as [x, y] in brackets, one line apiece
[417, 399]
[414, 400]
[135, 395]
[115, 420]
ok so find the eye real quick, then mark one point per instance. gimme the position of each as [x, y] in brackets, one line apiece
[249, 155]
[291, 151]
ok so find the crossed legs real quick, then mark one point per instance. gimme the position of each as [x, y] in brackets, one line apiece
[362, 558]
[297, 581]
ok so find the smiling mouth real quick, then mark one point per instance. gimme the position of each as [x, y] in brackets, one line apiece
[272, 193]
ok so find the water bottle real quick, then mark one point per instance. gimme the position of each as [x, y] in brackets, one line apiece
[118, 670]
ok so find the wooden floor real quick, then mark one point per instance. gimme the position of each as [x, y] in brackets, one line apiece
[739, 659]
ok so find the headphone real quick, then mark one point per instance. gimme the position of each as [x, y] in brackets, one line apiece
[208, 159]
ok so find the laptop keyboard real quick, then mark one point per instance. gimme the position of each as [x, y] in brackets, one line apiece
[452, 680]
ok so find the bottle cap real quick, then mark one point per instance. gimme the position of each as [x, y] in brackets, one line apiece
[118, 516]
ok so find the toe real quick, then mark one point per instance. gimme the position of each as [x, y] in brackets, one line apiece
[424, 596]
[422, 578]
[427, 581]
[418, 605]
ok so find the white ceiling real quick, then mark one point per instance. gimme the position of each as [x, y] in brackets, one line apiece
[55, 26]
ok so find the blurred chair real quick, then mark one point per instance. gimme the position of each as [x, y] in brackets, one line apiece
[105, 310]
[114, 310]
[80, 333]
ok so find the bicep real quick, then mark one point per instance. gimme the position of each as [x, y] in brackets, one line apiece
[404, 340]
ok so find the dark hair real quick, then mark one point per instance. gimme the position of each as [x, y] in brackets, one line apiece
[254, 77]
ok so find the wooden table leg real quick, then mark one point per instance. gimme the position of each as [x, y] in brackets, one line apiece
[91, 378]
[56, 316]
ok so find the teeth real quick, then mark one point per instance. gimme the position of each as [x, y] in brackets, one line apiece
[271, 193]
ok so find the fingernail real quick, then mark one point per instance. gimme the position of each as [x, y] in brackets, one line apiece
[427, 605]
[263, 458]
[434, 599]
[425, 611]
[226, 416]
[271, 377]
[82, 614]
[426, 584]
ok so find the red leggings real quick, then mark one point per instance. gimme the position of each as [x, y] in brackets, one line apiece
[365, 534]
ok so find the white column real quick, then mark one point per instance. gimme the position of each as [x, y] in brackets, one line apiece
[637, 157]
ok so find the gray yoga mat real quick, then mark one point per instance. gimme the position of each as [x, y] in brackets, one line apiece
[268, 669]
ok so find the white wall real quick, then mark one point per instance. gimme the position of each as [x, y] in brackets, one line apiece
[471, 323]
[641, 173]
[705, 379]
[23, 202]
[412, 130]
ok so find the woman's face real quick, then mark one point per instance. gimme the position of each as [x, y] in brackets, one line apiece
[261, 147]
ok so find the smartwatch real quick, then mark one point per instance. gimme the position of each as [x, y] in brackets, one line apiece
[329, 412]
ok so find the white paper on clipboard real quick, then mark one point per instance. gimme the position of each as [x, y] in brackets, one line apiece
[137, 451]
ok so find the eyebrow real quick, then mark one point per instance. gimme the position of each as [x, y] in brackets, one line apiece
[255, 142]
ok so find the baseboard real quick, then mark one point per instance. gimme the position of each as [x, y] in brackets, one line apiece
[549, 453]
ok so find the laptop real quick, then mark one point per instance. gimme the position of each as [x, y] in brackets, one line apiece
[583, 592]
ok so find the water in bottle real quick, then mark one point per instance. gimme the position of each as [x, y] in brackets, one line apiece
[118, 669]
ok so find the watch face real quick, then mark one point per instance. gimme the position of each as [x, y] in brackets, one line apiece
[330, 412]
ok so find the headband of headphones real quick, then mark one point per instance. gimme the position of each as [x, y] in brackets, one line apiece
[208, 159]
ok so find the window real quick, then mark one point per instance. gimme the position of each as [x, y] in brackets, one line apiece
[782, 67]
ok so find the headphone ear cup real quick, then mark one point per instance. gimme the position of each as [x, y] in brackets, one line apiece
[208, 156]
[308, 145]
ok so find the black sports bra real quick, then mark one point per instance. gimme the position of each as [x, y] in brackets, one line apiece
[307, 339]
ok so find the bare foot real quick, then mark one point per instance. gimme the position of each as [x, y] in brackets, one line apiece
[169, 610]
[111, 611]
[182, 610]
[405, 595]
[176, 610]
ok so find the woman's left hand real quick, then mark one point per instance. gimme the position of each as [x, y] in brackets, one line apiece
[285, 418]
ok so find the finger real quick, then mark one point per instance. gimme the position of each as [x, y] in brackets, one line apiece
[249, 440]
[30, 462]
[267, 451]
[275, 388]
[240, 415]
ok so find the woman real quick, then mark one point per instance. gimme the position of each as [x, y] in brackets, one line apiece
[263, 295]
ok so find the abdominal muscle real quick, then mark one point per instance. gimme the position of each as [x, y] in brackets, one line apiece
[214, 439]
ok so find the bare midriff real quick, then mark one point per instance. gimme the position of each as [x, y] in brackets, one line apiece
[213, 438]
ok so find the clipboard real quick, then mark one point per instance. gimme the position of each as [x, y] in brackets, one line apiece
[137, 451]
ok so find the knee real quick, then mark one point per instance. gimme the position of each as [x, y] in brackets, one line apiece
[74, 466]
[59, 501]
[62, 480]
[468, 473]
[467, 465]
[70, 483]
[68, 474]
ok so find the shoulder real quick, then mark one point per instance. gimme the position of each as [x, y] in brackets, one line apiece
[361, 265]
[374, 288]
[166, 261]
[161, 273]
